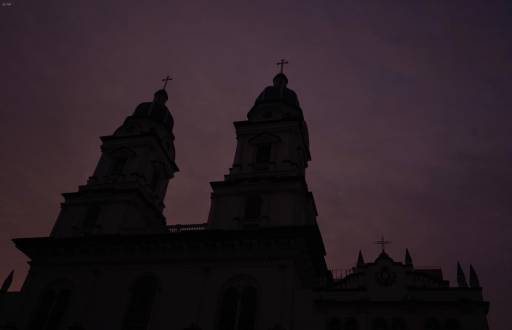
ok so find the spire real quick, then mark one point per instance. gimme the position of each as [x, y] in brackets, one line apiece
[165, 80]
[360, 260]
[408, 259]
[382, 244]
[7, 282]
[473, 278]
[461, 278]
[281, 65]
[161, 95]
[280, 80]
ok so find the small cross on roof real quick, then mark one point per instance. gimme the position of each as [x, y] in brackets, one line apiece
[281, 64]
[382, 243]
[165, 80]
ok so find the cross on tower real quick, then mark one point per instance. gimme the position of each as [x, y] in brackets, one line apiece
[165, 80]
[382, 243]
[281, 64]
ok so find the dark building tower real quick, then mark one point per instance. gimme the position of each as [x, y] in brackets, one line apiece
[266, 185]
[126, 192]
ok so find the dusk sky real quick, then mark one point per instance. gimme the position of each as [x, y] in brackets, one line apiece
[408, 105]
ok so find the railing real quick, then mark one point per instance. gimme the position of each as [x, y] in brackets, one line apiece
[186, 227]
[340, 273]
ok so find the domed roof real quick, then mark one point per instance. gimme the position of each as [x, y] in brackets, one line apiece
[278, 93]
[156, 110]
[276, 102]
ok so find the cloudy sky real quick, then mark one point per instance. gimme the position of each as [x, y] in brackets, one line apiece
[408, 105]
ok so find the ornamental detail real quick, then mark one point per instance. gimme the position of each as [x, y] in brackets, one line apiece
[385, 277]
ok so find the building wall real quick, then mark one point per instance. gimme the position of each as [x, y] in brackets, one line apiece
[188, 292]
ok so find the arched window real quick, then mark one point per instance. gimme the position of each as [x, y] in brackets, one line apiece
[140, 305]
[229, 309]
[118, 165]
[253, 207]
[247, 308]
[91, 218]
[238, 307]
[51, 308]
[120, 158]
[263, 152]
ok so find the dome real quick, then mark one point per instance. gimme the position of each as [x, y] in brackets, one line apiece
[278, 100]
[156, 110]
[278, 92]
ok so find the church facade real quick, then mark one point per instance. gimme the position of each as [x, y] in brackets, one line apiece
[112, 262]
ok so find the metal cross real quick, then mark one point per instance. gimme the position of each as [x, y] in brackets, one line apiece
[282, 63]
[382, 243]
[165, 80]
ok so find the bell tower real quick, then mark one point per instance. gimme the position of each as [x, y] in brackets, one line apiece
[266, 185]
[126, 192]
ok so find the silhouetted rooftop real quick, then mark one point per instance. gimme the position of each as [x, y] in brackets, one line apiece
[279, 93]
[156, 109]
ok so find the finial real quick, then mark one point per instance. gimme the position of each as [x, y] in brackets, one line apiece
[165, 80]
[408, 259]
[360, 259]
[382, 243]
[281, 64]
[461, 278]
[473, 278]
[7, 282]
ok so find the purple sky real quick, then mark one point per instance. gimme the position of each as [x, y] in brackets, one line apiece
[407, 102]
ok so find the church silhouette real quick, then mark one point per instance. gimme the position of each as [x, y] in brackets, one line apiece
[112, 262]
